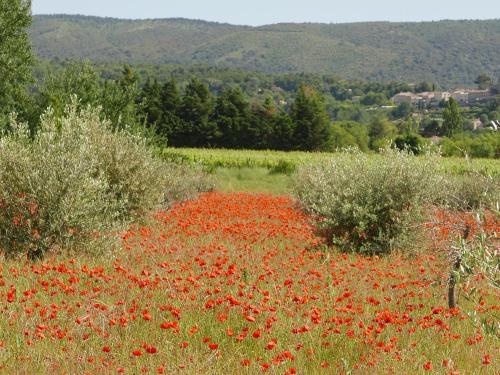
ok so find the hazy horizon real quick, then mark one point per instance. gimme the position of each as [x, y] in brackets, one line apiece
[240, 24]
[261, 12]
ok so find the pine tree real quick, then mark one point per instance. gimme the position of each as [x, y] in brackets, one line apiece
[195, 129]
[150, 99]
[312, 123]
[233, 119]
[170, 101]
[275, 127]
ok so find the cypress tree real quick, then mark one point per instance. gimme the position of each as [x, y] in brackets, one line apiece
[453, 122]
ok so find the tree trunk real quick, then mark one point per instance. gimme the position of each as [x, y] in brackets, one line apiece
[452, 282]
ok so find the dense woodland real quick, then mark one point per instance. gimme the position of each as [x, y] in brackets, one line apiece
[449, 53]
[201, 106]
[228, 108]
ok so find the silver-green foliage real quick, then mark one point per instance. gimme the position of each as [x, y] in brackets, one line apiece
[75, 181]
[471, 191]
[479, 255]
[368, 204]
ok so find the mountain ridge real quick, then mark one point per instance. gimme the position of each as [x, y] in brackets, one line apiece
[446, 52]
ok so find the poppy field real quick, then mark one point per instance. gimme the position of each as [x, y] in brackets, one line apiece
[241, 283]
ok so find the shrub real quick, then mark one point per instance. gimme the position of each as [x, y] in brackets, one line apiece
[471, 191]
[366, 203]
[184, 183]
[411, 142]
[73, 182]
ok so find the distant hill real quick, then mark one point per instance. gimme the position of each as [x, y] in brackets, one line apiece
[446, 52]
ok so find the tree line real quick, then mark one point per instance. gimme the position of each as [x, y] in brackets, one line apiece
[193, 116]
[189, 114]
[207, 107]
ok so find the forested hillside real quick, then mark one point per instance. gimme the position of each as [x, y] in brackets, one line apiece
[447, 52]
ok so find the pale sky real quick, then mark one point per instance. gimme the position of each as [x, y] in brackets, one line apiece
[260, 12]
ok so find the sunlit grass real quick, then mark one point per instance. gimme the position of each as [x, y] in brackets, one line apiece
[251, 180]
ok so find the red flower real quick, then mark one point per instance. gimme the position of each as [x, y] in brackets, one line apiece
[256, 334]
[151, 350]
[271, 344]
[486, 359]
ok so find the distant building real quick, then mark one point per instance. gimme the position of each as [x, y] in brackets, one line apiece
[470, 96]
[461, 96]
[406, 97]
[444, 95]
[421, 100]
[432, 99]
[478, 95]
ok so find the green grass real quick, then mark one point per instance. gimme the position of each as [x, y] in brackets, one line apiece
[287, 162]
[251, 180]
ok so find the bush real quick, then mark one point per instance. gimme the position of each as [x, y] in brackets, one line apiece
[368, 203]
[484, 144]
[73, 182]
[411, 142]
[471, 191]
[185, 183]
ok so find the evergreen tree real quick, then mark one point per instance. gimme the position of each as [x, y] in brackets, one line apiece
[283, 132]
[277, 129]
[312, 123]
[453, 122]
[410, 142]
[261, 128]
[170, 101]
[16, 59]
[233, 119]
[151, 106]
[403, 110]
[195, 129]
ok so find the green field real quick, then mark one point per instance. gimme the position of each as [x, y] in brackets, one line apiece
[282, 162]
